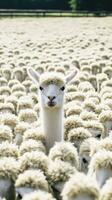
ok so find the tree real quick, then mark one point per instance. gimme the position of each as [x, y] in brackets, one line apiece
[73, 4]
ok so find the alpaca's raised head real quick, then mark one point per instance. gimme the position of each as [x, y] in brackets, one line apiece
[51, 96]
[51, 87]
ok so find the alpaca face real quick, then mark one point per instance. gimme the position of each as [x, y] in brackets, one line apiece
[51, 87]
[22, 191]
[84, 162]
[83, 197]
[51, 96]
[102, 175]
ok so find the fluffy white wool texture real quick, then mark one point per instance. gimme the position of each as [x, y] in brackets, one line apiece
[59, 171]
[80, 184]
[106, 191]
[33, 179]
[9, 150]
[52, 78]
[9, 168]
[102, 158]
[34, 159]
[34, 133]
[31, 145]
[5, 133]
[66, 152]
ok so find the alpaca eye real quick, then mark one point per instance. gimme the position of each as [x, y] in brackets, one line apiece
[19, 196]
[98, 136]
[41, 88]
[84, 160]
[62, 88]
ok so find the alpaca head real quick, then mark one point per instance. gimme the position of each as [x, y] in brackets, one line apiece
[100, 166]
[51, 87]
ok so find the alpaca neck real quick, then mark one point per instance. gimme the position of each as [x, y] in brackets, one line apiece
[83, 197]
[52, 120]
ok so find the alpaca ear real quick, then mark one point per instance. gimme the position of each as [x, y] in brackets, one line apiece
[33, 74]
[71, 76]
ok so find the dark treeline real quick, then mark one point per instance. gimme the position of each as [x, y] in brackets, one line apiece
[35, 4]
[89, 5]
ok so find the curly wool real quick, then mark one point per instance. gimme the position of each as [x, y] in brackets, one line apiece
[5, 133]
[102, 77]
[31, 145]
[6, 73]
[3, 81]
[9, 150]
[34, 133]
[89, 145]
[85, 86]
[59, 171]
[27, 84]
[17, 88]
[71, 88]
[94, 95]
[9, 119]
[12, 99]
[85, 115]
[80, 184]
[5, 90]
[88, 104]
[108, 102]
[52, 78]
[39, 195]
[101, 159]
[21, 127]
[72, 104]
[71, 123]
[28, 115]
[105, 90]
[106, 144]
[33, 88]
[73, 111]
[34, 159]
[94, 124]
[34, 98]
[71, 96]
[24, 102]
[13, 82]
[107, 83]
[9, 168]
[105, 116]
[34, 179]
[106, 191]
[78, 134]
[66, 152]
[7, 107]
[19, 94]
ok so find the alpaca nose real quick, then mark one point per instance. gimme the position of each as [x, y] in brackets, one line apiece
[51, 98]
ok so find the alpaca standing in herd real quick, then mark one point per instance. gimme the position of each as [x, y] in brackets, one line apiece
[51, 94]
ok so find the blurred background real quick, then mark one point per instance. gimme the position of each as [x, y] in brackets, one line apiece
[89, 5]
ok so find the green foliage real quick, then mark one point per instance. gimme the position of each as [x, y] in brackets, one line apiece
[73, 4]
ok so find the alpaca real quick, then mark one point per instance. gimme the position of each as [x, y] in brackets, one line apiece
[9, 170]
[80, 187]
[101, 166]
[51, 95]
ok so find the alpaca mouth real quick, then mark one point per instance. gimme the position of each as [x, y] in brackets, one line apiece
[51, 104]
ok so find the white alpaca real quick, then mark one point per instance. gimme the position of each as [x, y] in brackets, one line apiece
[51, 95]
